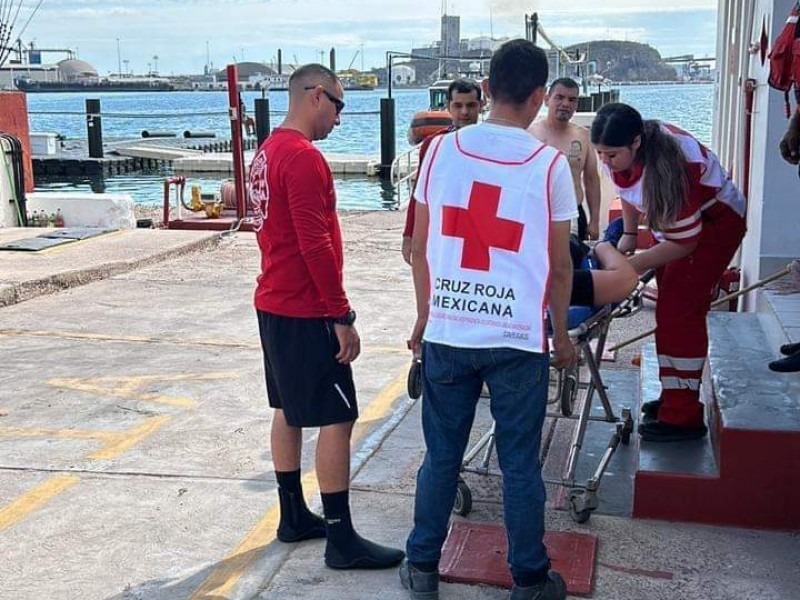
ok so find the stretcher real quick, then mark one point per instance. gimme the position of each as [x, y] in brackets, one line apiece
[573, 398]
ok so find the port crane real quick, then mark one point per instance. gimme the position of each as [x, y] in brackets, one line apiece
[12, 13]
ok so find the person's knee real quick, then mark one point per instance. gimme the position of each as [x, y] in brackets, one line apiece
[627, 282]
[337, 431]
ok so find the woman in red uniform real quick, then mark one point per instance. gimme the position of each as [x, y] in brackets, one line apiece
[697, 214]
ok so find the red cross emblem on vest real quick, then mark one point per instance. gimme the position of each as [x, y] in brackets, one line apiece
[480, 227]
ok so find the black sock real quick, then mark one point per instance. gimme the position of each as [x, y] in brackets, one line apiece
[297, 522]
[337, 517]
[289, 481]
[294, 511]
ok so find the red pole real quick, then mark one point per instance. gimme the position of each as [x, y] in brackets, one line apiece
[166, 203]
[235, 114]
[749, 100]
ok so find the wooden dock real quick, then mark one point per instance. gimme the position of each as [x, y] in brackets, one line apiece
[72, 159]
[189, 156]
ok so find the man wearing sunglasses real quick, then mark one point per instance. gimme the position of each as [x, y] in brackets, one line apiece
[308, 335]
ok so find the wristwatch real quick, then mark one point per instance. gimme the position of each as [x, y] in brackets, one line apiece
[347, 319]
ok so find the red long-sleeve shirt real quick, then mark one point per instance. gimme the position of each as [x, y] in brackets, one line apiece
[408, 231]
[294, 201]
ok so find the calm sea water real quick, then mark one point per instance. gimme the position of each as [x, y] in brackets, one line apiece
[126, 115]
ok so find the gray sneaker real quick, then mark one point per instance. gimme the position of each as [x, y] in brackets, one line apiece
[420, 585]
[552, 588]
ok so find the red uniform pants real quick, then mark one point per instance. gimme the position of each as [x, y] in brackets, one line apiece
[684, 297]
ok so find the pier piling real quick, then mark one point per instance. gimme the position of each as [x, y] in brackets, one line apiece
[388, 143]
[94, 128]
[262, 120]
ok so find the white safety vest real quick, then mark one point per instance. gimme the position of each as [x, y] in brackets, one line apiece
[491, 192]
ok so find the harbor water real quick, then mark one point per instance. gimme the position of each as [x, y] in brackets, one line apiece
[126, 115]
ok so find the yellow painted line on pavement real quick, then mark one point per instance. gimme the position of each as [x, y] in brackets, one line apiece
[75, 244]
[34, 499]
[114, 442]
[122, 442]
[102, 337]
[130, 388]
[229, 571]
[377, 409]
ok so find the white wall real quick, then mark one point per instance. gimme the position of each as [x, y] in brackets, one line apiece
[86, 209]
[773, 218]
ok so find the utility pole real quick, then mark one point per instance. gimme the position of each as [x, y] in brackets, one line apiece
[119, 59]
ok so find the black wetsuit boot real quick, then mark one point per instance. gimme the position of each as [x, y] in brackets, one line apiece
[345, 548]
[790, 364]
[297, 522]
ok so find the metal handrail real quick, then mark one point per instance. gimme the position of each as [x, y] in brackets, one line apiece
[397, 178]
[210, 113]
[406, 158]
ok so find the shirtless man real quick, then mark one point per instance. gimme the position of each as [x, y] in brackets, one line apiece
[573, 141]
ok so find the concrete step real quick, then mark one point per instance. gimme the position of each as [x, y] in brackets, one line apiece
[689, 459]
[780, 318]
[748, 471]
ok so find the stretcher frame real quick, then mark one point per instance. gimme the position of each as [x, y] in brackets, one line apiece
[583, 497]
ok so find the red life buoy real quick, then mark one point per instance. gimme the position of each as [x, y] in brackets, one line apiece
[428, 122]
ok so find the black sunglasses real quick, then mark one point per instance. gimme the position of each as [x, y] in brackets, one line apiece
[338, 105]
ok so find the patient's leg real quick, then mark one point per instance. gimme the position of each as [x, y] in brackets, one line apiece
[616, 279]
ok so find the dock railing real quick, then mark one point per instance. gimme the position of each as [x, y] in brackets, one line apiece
[403, 173]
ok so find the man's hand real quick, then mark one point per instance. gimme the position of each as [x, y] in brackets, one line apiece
[790, 144]
[564, 353]
[627, 243]
[415, 341]
[406, 249]
[349, 343]
[593, 230]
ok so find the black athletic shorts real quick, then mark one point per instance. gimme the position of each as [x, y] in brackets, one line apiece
[582, 288]
[583, 223]
[303, 376]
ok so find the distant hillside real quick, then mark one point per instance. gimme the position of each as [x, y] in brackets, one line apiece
[626, 61]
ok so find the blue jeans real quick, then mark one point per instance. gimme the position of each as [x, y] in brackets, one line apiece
[452, 381]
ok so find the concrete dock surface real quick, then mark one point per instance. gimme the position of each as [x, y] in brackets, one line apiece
[134, 438]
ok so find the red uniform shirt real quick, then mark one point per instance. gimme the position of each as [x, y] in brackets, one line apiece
[408, 231]
[710, 195]
[294, 201]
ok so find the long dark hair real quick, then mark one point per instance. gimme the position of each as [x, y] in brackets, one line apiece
[664, 182]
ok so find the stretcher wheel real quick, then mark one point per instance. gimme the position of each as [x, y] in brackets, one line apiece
[569, 391]
[581, 505]
[626, 429]
[579, 516]
[625, 436]
[415, 380]
[463, 504]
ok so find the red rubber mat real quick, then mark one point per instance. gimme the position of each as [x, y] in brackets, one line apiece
[477, 553]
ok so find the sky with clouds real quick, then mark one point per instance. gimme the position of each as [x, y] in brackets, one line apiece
[179, 32]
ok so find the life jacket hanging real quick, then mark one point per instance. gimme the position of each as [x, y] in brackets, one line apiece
[784, 59]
